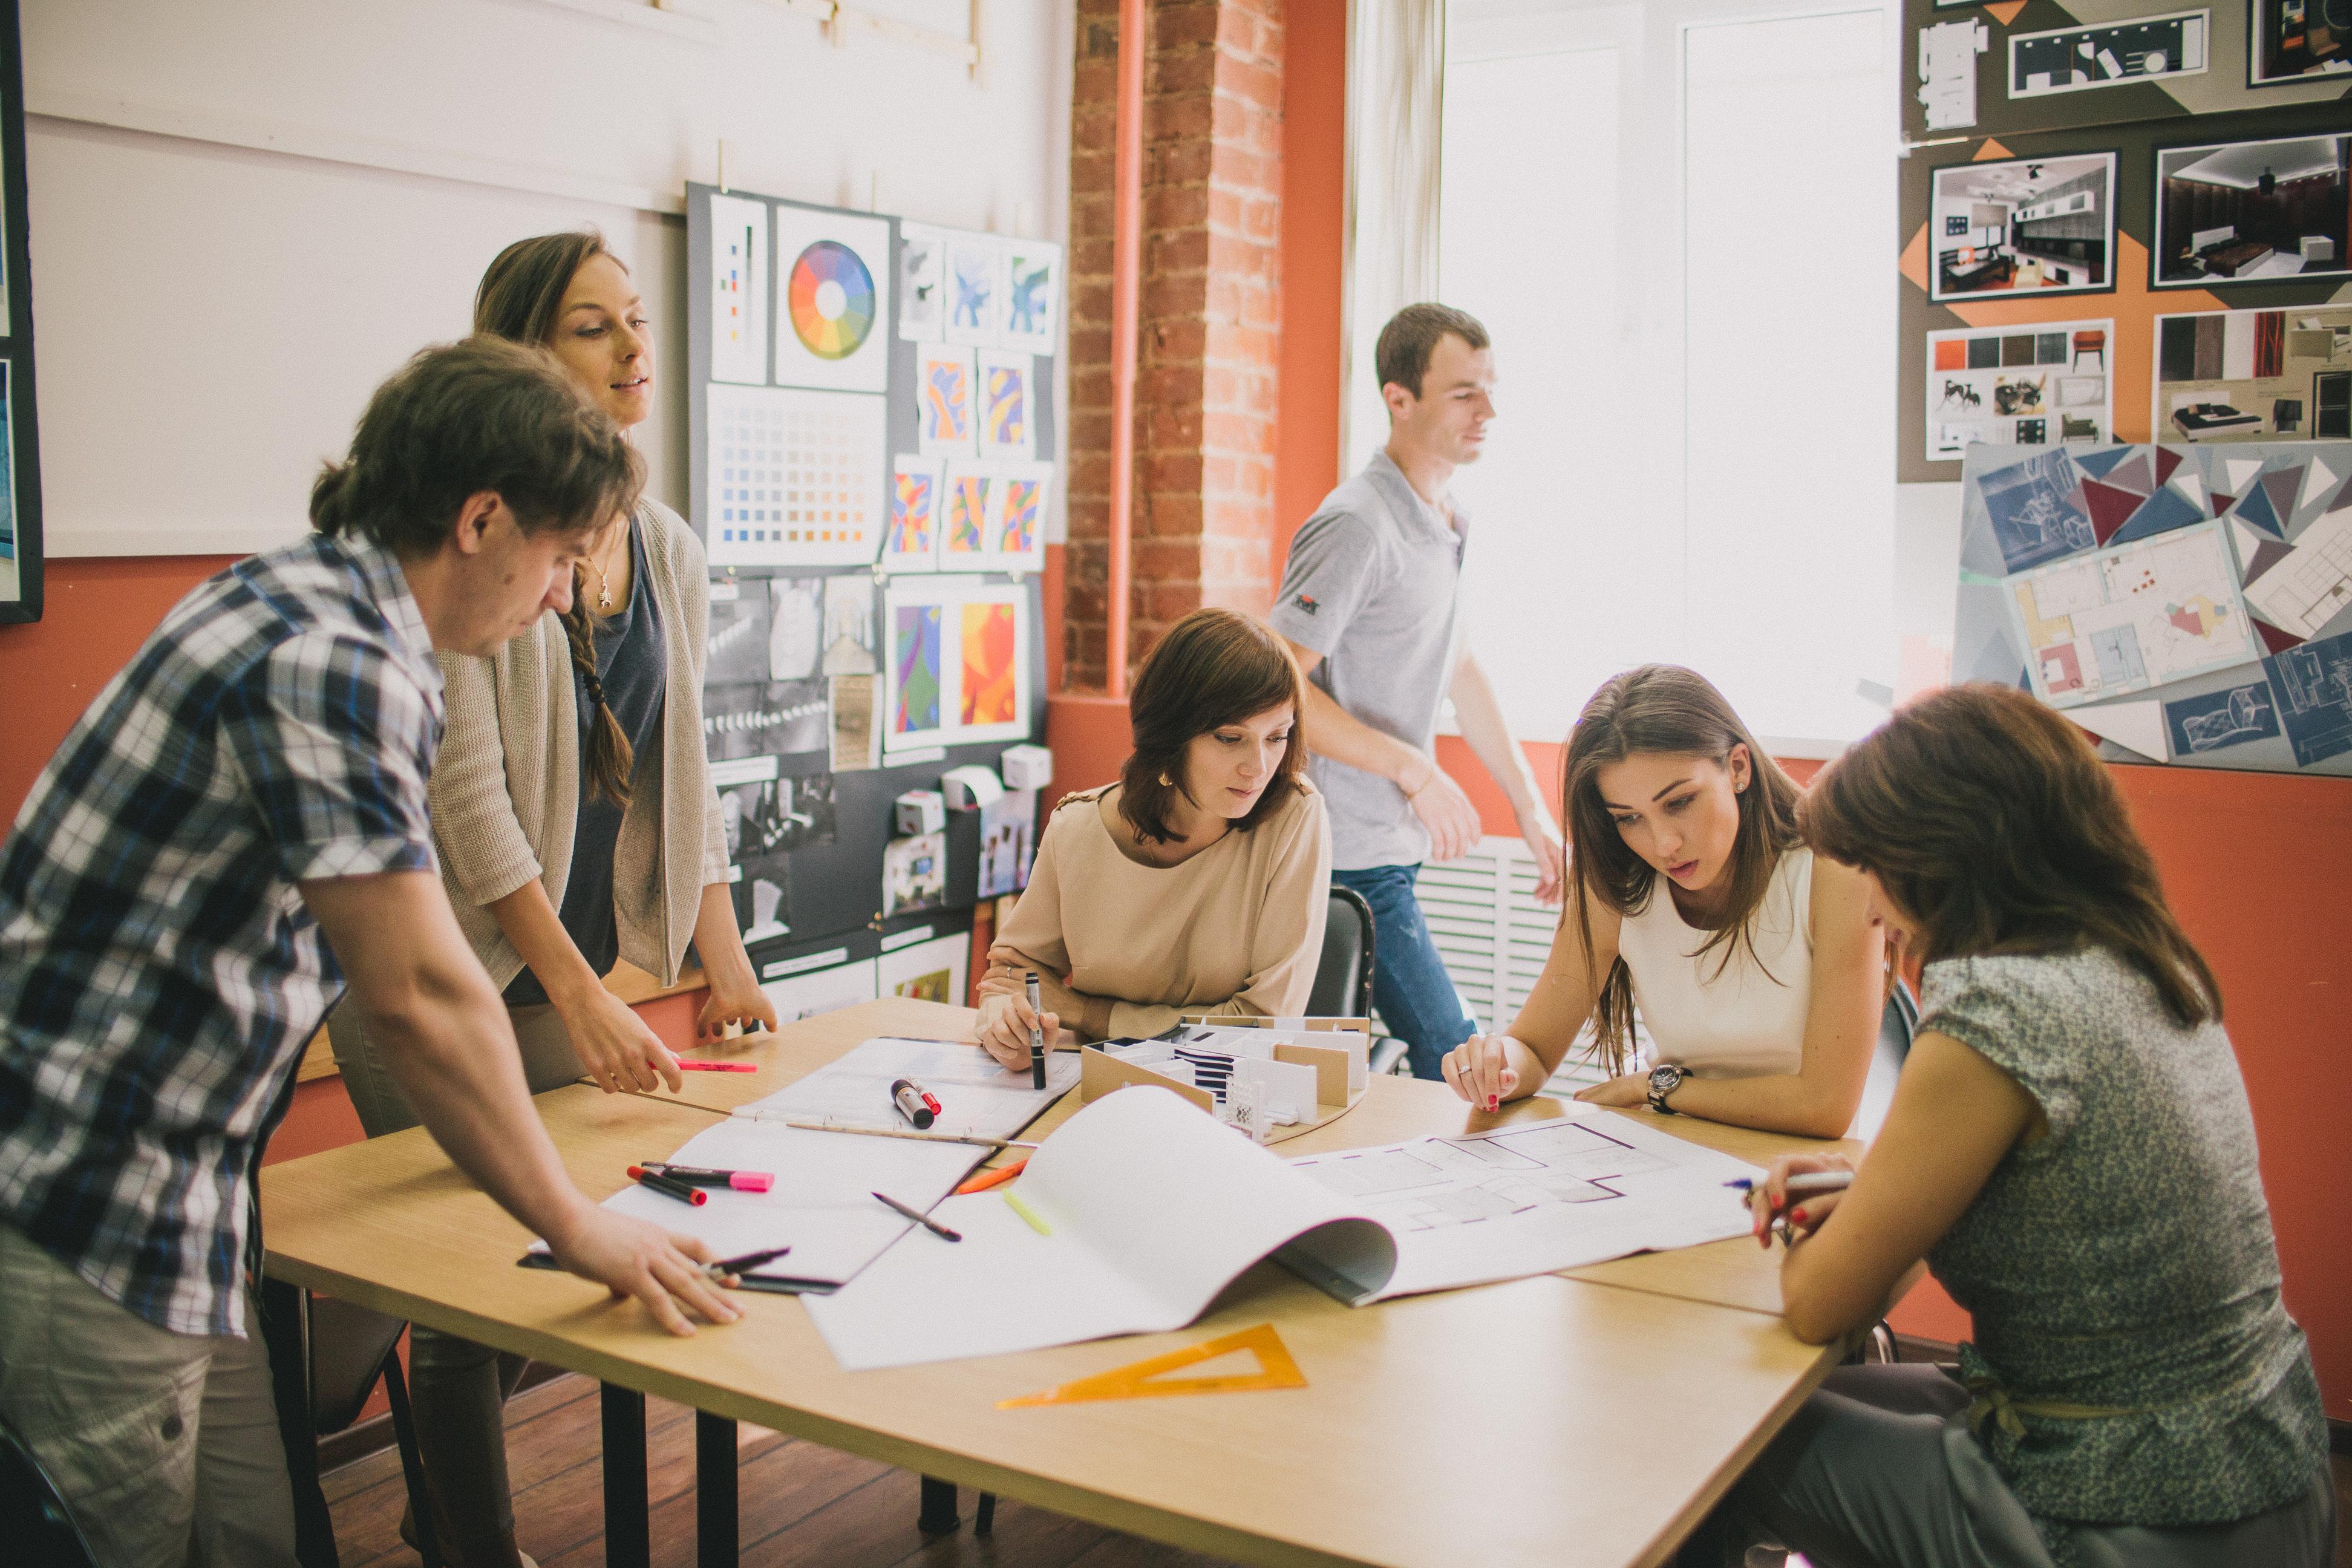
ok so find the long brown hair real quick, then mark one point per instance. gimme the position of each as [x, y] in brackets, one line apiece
[1663, 709]
[1214, 667]
[1993, 824]
[520, 298]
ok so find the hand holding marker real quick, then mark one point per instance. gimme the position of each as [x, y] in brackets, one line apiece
[1823, 1184]
[1036, 1037]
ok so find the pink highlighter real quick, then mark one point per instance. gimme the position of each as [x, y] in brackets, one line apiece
[685, 1065]
[702, 1176]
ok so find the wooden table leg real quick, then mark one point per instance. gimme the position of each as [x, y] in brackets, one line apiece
[628, 1526]
[714, 1491]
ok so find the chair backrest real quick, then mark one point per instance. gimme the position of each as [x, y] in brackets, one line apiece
[347, 1346]
[1897, 1021]
[1343, 976]
[39, 1531]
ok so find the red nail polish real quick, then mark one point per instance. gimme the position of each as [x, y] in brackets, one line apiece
[1777, 1201]
[1492, 1103]
[1796, 1217]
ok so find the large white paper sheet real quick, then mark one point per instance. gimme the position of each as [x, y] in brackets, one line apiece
[1534, 1199]
[1154, 1209]
[822, 1204]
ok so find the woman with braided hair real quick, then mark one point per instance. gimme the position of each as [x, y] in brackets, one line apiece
[576, 825]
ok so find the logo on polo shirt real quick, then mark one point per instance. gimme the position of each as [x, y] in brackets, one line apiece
[1307, 601]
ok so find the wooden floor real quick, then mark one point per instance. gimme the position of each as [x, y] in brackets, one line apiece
[799, 1504]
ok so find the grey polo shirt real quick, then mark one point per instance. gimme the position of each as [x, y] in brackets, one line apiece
[1373, 584]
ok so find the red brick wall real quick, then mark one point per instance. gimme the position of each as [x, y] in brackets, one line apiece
[1209, 318]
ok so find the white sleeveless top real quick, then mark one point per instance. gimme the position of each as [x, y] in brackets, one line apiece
[1748, 1020]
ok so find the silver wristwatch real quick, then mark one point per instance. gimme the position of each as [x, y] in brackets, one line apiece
[1664, 1078]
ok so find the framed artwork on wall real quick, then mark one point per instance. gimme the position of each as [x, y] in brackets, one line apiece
[20, 462]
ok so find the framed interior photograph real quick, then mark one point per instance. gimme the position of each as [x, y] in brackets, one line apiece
[20, 467]
[2291, 42]
[2245, 212]
[2030, 226]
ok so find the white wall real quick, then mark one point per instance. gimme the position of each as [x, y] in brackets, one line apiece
[245, 214]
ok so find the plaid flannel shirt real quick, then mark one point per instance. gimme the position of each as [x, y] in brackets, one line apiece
[160, 975]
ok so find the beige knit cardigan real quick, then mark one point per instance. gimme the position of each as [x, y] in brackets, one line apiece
[506, 787]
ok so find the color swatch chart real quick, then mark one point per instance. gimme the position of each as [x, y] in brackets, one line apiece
[795, 476]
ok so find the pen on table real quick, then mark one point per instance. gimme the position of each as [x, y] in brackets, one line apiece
[914, 1101]
[1810, 1182]
[702, 1177]
[685, 1193]
[919, 1217]
[685, 1066]
[987, 1179]
[744, 1264]
[1028, 1214]
[1036, 1038]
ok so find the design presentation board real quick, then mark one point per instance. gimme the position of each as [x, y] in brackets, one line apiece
[2041, 385]
[2185, 605]
[795, 476]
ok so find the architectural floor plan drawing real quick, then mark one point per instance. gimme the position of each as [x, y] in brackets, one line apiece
[1533, 1199]
[2132, 617]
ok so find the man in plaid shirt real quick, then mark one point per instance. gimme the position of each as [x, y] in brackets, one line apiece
[234, 831]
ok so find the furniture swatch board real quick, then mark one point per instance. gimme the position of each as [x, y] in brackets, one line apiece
[2190, 604]
[2118, 230]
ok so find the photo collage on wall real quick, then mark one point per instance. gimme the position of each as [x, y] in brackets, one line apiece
[2045, 386]
[834, 463]
[2189, 605]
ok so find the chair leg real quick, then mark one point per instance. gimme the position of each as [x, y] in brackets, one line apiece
[984, 1521]
[939, 1512]
[412, 1462]
[284, 1328]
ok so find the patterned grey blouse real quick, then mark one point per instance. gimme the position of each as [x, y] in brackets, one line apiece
[2133, 1363]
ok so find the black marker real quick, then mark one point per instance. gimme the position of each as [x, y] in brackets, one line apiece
[914, 1103]
[1036, 1038]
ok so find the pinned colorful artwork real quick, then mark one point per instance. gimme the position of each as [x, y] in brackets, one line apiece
[739, 290]
[2009, 386]
[911, 541]
[833, 299]
[793, 477]
[1008, 419]
[991, 650]
[923, 282]
[1016, 530]
[915, 675]
[1033, 297]
[2225, 377]
[975, 284]
[2211, 623]
[981, 690]
[946, 416]
[963, 525]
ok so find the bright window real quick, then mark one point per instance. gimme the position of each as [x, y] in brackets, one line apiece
[1674, 219]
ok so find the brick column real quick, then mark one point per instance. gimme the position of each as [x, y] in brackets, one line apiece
[1210, 319]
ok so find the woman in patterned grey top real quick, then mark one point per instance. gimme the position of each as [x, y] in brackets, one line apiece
[2071, 1151]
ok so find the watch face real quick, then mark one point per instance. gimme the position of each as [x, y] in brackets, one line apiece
[1666, 1079]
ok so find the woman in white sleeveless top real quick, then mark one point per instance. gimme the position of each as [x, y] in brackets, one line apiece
[1758, 971]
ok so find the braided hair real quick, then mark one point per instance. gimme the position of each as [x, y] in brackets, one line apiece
[610, 757]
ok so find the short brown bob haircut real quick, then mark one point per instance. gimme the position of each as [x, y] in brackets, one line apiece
[1214, 667]
[462, 418]
[1995, 829]
[1401, 357]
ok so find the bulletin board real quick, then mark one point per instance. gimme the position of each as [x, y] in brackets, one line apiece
[20, 447]
[872, 444]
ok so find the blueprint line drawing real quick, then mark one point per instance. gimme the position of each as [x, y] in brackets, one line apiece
[2228, 718]
[1534, 1198]
[2313, 584]
[2131, 616]
[2313, 686]
[2036, 511]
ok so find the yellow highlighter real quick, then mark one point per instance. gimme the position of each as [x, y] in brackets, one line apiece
[1013, 1200]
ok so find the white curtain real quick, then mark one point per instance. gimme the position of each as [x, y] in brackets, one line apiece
[1396, 90]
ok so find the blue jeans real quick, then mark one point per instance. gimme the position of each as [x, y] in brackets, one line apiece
[1414, 995]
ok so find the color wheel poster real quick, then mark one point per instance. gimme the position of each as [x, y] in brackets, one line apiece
[958, 667]
[833, 300]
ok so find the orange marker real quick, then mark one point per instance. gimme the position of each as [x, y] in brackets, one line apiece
[998, 1177]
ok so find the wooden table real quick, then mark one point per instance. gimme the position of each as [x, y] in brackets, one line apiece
[1592, 1419]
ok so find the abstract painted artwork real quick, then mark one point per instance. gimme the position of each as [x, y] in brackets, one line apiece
[945, 405]
[2185, 605]
[911, 541]
[959, 657]
[1008, 422]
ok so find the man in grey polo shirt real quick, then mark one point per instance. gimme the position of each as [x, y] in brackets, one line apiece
[1370, 605]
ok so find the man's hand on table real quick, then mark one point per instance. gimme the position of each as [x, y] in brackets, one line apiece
[631, 1258]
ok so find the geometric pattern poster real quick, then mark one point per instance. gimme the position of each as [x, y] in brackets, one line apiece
[2185, 605]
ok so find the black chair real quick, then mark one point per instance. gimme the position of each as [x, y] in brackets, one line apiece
[33, 1520]
[329, 1355]
[1343, 976]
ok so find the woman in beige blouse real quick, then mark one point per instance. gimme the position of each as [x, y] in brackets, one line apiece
[1197, 883]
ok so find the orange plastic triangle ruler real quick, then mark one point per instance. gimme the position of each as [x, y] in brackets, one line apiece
[1145, 1379]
